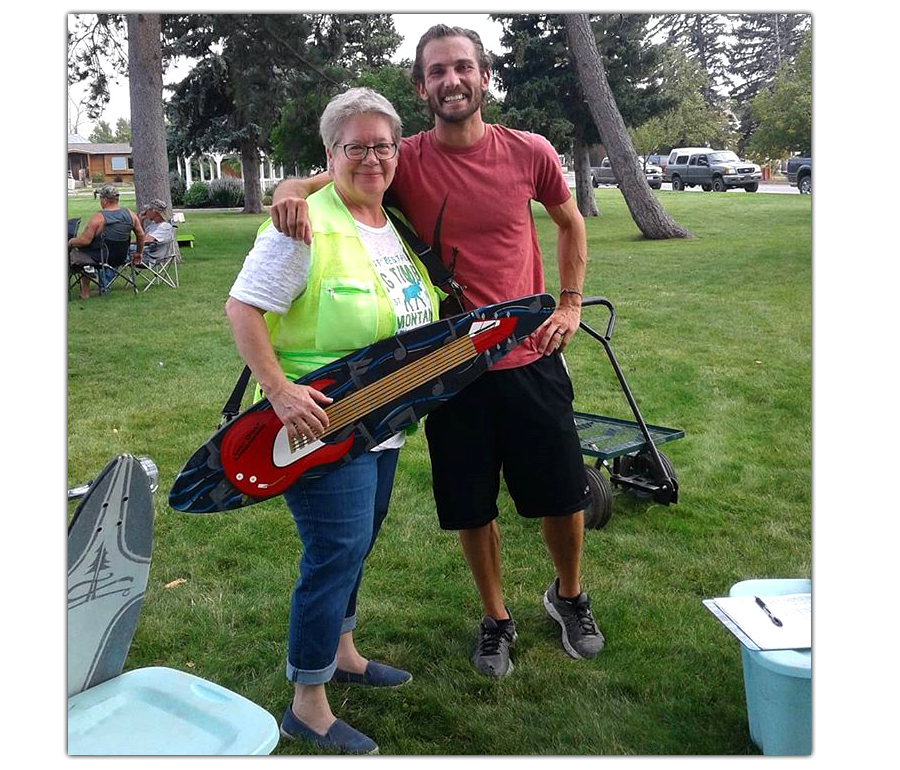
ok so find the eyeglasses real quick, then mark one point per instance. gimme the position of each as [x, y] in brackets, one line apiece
[354, 151]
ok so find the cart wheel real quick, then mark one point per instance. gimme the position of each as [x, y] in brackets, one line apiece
[642, 464]
[597, 514]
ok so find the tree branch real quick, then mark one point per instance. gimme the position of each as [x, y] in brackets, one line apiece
[292, 50]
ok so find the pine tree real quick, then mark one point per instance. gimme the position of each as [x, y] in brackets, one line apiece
[763, 42]
[251, 66]
[702, 36]
[543, 91]
[102, 133]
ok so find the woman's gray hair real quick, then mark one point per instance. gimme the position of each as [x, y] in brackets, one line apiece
[356, 101]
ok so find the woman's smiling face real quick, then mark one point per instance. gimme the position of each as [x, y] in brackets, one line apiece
[368, 178]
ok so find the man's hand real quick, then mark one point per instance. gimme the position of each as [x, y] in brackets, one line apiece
[291, 217]
[556, 332]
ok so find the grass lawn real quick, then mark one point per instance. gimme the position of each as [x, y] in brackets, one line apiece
[714, 336]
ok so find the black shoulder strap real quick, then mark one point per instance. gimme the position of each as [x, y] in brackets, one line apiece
[437, 271]
[430, 256]
[233, 405]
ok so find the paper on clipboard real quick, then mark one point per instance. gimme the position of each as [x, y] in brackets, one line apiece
[756, 630]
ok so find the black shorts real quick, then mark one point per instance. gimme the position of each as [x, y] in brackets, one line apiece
[519, 421]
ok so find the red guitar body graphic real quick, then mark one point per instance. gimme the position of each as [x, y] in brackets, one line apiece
[250, 457]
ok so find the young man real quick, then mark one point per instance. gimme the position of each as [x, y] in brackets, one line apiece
[517, 417]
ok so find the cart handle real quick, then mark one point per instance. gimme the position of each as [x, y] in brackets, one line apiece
[587, 302]
[669, 488]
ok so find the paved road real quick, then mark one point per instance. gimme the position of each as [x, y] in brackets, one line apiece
[764, 187]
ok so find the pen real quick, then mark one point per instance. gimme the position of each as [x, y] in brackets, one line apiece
[768, 612]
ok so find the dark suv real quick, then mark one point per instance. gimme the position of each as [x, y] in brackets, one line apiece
[799, 174]
[717, 170]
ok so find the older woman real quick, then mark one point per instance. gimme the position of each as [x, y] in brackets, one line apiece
[293, 309]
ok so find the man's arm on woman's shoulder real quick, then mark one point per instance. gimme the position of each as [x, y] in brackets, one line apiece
[290, 214]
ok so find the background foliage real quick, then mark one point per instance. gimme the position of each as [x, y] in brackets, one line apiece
[678, 78]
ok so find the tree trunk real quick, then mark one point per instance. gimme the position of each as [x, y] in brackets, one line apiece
[250, 170]
[148, 128]
[646, 211]
[584, 190]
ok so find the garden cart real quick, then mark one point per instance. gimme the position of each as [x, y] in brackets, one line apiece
[625, 450]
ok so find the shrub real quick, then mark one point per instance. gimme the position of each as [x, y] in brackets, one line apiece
[267, 195]
[97, 178]
[177, 188]
[197, 195]
[226, 192]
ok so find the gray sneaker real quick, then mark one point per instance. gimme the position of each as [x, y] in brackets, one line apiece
[580, 635]
[491, 656]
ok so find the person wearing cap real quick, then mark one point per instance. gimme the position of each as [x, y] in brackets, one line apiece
[158, 231]
[115, 223]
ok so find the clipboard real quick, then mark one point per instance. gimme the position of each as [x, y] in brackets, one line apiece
[756, 629]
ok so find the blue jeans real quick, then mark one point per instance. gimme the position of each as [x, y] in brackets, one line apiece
[106, 276]
[338, 518]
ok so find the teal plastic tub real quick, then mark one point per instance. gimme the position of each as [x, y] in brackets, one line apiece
[778, 683]
[152, 711]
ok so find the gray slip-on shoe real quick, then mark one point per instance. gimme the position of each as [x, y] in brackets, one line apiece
[376, 675]
[340, 736]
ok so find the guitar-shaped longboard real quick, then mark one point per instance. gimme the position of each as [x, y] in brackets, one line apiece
[377, 391]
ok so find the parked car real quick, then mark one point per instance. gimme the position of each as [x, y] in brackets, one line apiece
[658, 160]
[603, 174]
[717, 170]
[799, 174]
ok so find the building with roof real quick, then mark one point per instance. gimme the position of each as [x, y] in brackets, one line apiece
[112, 161]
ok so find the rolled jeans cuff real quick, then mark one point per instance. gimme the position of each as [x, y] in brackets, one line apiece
[348, 624]
[321, 676]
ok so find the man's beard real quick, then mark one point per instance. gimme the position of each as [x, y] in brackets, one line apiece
[436, 107]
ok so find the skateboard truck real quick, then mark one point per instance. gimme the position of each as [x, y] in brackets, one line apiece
[76, 493]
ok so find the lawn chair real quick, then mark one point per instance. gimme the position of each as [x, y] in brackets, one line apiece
[114, 261]
[160, 265]
[115, 256]
[146, 711]
[75, 271]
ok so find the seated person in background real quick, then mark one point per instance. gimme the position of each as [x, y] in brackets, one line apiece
[116, 223]
[158, 231]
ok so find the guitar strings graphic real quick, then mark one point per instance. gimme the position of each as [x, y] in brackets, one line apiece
[348, 410]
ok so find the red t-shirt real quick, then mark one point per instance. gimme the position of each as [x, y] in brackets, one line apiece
[489, 188]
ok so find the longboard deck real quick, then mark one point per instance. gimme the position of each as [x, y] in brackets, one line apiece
[109, 545]
[377, 391]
